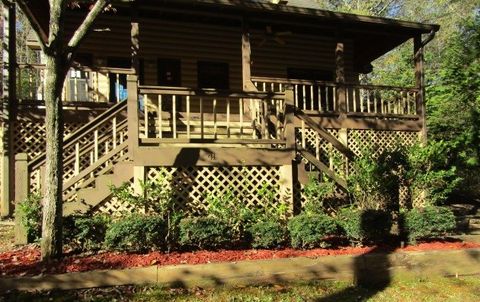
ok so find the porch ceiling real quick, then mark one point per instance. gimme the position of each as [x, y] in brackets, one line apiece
[372, 36]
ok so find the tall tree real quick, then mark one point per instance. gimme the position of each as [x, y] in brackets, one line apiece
[59, 54]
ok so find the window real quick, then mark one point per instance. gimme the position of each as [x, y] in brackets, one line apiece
[310, 74]
[169, 72]
[213, 75]
[119, 62]
[78, 85]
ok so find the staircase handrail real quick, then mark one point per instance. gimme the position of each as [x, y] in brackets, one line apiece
[82, 131]
[324, 134]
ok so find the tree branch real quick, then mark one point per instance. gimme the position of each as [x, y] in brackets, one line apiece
[7, 2]
[41, 36]
[84, 28]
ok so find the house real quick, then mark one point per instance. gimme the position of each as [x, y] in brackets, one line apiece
[217, 95]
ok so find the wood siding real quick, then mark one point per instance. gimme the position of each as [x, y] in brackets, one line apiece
[192, 42]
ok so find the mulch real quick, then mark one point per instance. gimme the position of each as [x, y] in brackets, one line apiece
[26, 261]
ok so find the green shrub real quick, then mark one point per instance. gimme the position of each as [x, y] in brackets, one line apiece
[156, 198]
[431, 172]
[374, 180]
[87, 233]
[311, 230]
[361, 226]
[316, 192]
[429, 222]
[205, 232]
[30, 212]
[136, 233]
[268, 233]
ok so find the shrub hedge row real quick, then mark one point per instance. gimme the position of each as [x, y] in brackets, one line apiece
[306, 230]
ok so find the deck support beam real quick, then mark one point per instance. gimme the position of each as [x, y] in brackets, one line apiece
[418, 49]
[9, 97]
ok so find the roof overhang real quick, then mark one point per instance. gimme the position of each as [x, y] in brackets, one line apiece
[372, 36]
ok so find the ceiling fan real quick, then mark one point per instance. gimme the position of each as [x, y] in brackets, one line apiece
[275, 36]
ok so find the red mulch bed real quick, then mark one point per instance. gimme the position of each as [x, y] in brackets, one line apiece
[26, 261]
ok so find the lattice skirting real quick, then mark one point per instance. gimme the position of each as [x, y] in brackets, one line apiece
[359, 141]
[191, 186]
[29, 136]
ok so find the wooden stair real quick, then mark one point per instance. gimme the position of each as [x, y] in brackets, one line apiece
[312, 159]
[90, 197]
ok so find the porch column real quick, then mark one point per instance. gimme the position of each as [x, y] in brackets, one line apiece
[135, 38]
[340, 74]
[246, 58]
[8, 99]
[132, 85]
[420, 84]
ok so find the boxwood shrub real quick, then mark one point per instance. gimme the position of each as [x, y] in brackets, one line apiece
[311, 230]
[364, 226]
[85, 232]
[267, 233]
[136, 233]
[428, 222]
[205, 233]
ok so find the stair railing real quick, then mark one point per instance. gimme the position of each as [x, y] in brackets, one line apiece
[90, 151]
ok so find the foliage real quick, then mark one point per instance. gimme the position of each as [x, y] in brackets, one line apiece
[431, 172]
[30, 212]
[374, 180]
[156, 197]
[311, 230]
[428, 222]
[86, 233]
[231, 208]
[364, 226]
[228, 207]
[272, 205]
[205, 232]
[136, 233]
[267, 233]
[316, 192]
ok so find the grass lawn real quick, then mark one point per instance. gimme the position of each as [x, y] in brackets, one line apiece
[463, 289]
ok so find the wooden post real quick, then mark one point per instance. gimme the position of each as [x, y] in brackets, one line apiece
[289, 120]
[138, 179]
[286, 187]
[343, 138]
[340, 75]
[246, 58]
[22, 186]
[9, 97]
[420, 84]
[132, 115]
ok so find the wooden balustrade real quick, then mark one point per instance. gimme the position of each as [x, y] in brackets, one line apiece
[88, 152]
[181, 115]
[361, 100]
[81, 85]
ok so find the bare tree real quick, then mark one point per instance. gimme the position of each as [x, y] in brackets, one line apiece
[59, 54]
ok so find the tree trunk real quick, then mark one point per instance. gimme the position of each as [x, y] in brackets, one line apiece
[52, 200]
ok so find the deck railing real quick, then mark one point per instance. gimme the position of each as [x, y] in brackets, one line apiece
[359, 100]
[81, 85]
[185, 115]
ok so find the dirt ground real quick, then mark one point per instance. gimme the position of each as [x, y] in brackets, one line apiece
[6, 236]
